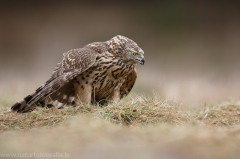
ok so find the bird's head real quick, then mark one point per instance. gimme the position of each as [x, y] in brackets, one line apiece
[127, 49]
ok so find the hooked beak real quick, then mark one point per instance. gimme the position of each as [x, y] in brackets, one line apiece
[141, 60]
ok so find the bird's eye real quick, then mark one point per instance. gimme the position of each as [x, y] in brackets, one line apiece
[133, 54]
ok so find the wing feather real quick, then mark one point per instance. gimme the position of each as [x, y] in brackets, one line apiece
[74, 63]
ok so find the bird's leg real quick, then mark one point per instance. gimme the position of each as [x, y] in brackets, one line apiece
[115, 96]
[83, 94]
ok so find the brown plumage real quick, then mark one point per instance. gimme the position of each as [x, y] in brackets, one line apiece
[100, 72]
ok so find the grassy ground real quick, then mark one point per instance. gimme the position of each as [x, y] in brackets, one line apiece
[143, 127]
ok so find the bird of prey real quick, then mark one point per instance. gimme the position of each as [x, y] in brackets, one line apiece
[100, 72]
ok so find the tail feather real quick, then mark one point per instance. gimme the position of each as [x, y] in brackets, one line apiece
[51, 87]
[21, 105]
[29, 102]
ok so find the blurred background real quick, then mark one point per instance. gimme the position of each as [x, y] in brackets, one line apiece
[192, 48]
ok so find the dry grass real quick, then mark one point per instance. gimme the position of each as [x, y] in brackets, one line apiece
[146, 127]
